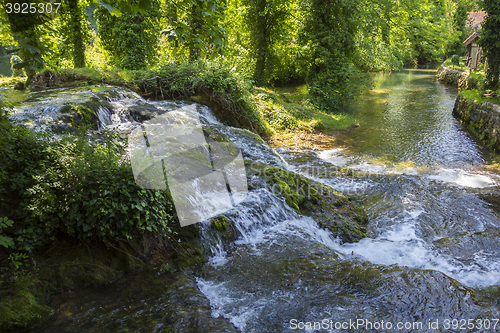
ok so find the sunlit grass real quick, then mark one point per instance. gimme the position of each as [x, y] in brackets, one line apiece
[288, 108]
[477, 96]
[460, 66]
[10, 81]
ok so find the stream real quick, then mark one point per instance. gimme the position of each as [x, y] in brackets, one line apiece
[431, 264]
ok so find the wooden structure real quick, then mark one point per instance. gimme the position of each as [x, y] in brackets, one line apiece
[474, 51]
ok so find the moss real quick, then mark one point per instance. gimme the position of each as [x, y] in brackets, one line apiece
[80, 116]
[333, 210]
[67, 267]
[221, 223]
[211, 135]
[469, 102]
[188, 255]
[19, 308]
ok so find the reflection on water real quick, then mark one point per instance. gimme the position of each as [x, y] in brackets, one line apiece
[407, 117]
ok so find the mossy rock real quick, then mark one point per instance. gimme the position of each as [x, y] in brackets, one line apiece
[213, 136]
[19, 307]
[80, 116]
[98, 265]
[24, 295]
[188, 255]
[334, 211]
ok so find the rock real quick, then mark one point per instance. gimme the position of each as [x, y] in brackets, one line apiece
[481, 118]
[19, 86]
[451, 76]
[331, 209]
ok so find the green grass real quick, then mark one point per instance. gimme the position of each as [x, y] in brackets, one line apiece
[461, 65]
[475, 95]
[288, 108]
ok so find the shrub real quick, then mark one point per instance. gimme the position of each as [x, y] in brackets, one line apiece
[224, 91]
[75, 188]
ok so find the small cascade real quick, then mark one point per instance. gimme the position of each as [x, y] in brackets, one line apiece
[253, 147]
[104, 117]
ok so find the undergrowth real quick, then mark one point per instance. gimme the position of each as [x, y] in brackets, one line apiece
[288, 109]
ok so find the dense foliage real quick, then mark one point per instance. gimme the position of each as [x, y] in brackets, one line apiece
[131, 39]
[490, 40]
[73, 188]
[328, 33]
[74, 31]
[323, 43]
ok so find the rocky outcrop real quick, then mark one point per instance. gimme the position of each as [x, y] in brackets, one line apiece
[452, 76]
[333, 211]
[481, 118]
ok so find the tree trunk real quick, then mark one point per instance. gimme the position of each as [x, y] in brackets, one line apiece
[76, 17]
[196, 26]
[262, 45]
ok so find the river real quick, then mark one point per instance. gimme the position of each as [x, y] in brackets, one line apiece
[433, 255]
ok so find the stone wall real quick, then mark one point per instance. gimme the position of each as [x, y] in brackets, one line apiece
[481, 118]
[454, 77]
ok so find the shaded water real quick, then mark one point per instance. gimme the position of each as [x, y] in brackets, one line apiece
[433, 255]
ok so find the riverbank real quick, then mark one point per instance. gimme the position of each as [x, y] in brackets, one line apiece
[480, 116]
[455, 77]
[476, 111]
[296, 123]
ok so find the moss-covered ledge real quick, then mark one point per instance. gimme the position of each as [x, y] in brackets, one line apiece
[481, 118]
[26, 291]
[454, 77]
[345, 218]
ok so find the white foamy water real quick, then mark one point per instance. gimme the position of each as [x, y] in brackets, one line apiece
[222, 304]
[401, 246]
[455, 176]
[463, 178]
[335, 157]
[207, 116]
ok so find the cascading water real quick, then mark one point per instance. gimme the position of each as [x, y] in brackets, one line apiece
[434, 251]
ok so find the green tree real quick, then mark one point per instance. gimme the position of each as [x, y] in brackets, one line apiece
[29, 32]
[132, 38]
[460, 15]
[490, 40]
[197, 25]
[329, 33]
[75, 30]
[266, 22]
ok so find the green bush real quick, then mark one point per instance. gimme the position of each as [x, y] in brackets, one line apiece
[228, 93]
[23, 155]
[74, 188]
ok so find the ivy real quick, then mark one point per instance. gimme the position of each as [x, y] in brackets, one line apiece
[329, 33]
[132, 38]
[74, 30]
[490, 40]
[73, 188]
